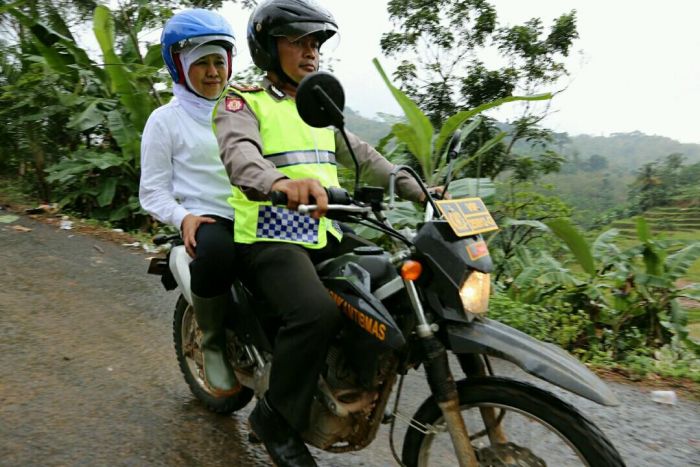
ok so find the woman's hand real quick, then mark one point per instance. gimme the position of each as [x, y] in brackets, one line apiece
[189, 227]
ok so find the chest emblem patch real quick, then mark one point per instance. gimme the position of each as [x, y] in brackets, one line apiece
[234, 104]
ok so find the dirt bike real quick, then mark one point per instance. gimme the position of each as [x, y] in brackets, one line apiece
[422, 305]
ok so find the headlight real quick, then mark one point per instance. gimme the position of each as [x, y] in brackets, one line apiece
[475, 292]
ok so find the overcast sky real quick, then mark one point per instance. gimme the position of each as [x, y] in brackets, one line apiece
[636, 65]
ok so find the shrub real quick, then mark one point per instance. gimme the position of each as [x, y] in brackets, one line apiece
[552, 321]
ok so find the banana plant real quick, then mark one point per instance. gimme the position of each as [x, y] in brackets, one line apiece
[428, 145]
[107, 103]
[635, 286]
[135, 99]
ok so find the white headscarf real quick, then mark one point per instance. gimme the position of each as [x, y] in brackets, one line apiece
[197, 106]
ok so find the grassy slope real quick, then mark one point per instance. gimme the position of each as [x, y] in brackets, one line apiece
[679, 222]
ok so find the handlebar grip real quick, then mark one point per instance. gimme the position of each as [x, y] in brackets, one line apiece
[337, 195]
[278, 198]
[162, 239]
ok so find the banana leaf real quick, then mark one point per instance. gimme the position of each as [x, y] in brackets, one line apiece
[576, 242]
[135, 100]
[420, 142]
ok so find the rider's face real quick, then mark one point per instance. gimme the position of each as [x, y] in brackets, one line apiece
[300, 57]
[208, 75]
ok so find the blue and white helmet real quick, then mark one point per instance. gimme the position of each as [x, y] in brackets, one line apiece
[192, 28]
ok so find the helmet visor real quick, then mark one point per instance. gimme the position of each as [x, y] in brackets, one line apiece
[295, 31]
[192, 43]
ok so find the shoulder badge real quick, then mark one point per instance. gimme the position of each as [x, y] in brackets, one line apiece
[246, 87]
[234, 103]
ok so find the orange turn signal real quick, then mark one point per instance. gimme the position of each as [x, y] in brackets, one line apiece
[411, 270]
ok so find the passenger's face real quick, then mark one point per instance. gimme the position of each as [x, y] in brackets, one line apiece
[208, 75]
[298, 58]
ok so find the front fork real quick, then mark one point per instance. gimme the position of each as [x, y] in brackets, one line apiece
[475, 365]
[442, 384]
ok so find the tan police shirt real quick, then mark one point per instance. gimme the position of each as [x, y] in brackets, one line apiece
[240, 149]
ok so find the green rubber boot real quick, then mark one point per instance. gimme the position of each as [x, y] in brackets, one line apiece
[218, 373]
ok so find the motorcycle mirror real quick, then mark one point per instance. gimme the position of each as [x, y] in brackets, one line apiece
[320, 102]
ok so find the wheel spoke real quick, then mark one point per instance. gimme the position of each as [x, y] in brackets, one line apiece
[512, 424]
[533, 444]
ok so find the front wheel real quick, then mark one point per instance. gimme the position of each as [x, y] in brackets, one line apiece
[187, 338]
[527, 427]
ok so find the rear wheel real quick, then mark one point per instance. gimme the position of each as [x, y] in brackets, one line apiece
[539, 429]
[187, 338]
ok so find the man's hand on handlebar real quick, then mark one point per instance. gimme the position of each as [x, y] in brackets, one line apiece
[436, 192]
[303, 191]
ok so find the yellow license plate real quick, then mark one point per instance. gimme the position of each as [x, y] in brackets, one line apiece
[467, 216]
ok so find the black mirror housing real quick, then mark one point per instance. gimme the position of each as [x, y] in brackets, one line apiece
[320, 100]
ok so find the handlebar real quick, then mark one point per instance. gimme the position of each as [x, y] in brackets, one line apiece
[278, 198]
[392, 186]
[343, 207]
[339, 200]
[162, 239]
[353, 209]
[336, 196]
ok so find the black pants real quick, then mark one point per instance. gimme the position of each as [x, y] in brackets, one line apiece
[213, 268]
[283, 275]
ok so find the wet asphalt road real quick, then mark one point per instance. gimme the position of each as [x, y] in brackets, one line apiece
[88, 374]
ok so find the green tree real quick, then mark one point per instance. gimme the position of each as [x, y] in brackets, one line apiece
[648, 188]
[440, 44]
[33, 117]
[670, 173]
[596, 163]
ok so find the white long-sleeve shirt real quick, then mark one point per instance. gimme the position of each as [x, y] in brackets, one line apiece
[181, 172]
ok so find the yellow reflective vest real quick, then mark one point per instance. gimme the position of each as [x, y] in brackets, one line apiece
[298, 151]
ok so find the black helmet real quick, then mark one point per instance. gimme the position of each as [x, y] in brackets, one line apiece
[296, 18]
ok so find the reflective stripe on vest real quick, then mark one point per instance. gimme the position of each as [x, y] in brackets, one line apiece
[298, 151]
[301, 157]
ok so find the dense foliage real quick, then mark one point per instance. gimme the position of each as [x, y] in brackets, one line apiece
[71, 121]
[607, 302]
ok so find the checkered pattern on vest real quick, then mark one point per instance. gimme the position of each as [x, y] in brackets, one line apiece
[282, 224]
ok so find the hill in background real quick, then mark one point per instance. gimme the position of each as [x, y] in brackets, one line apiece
[628, 151]
[625, 151]
[368, 129]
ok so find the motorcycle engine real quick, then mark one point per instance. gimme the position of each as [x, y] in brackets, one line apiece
[344, 412]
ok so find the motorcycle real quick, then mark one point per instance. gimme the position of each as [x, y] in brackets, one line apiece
[422, 305]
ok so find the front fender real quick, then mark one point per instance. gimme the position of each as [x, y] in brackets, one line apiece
[546, 361]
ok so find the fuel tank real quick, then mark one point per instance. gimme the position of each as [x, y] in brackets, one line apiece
[350, 279]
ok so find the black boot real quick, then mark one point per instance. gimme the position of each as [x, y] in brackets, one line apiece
[283, 444]
[218, 373]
